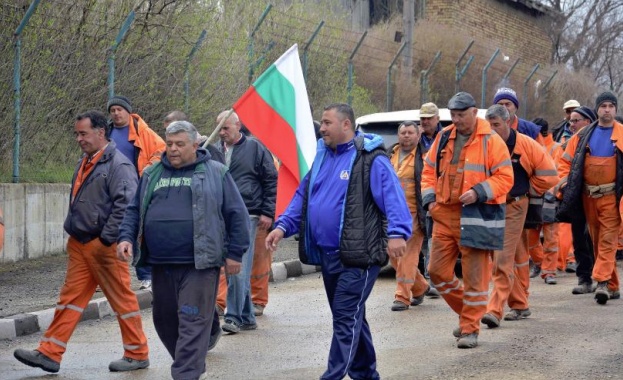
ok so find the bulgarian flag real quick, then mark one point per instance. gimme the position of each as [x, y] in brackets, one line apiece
[276, 110]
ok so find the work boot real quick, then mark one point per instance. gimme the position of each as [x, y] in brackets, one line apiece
[456, 332]
[432, 292]
[127, 364]
[214, 339]
[583, 288]
[399, 306]
[467, 341]
[258, 309]
[602, 294]
[535, 271]
[36, 359]
[550, 279]
[490, 320]
[615, 295]
[571, 267]
[515, 315]
[419, 299]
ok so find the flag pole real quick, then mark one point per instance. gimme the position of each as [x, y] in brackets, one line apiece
[217, 129]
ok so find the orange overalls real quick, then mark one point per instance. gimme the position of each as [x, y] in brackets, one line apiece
[602, 217]
[409, 280]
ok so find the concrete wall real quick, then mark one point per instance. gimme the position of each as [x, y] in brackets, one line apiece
[33, 220]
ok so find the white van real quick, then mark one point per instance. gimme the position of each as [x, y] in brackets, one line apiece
[385, 124]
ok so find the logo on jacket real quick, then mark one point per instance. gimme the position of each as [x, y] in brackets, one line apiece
[345, 175]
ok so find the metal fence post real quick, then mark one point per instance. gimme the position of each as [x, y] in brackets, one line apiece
[510, 70]
[390, 95]
[484, 78]
[252, 42]
[187, 71]
[525, 90]
[458, 72]
[546, 90]
[424, 78]
[306, 49]
[349, 86]
[17, 86]
[111, 59]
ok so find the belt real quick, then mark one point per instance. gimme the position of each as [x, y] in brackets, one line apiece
[598, 191]
[510, 199]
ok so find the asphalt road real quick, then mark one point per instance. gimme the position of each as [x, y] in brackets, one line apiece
[567, 337]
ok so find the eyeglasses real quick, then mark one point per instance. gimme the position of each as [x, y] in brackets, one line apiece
[575, 120]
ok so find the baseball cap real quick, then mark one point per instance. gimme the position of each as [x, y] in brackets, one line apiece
[429, 110]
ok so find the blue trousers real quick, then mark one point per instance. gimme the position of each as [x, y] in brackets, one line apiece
[352, 351]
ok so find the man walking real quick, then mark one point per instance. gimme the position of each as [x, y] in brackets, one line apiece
[350, 213]
[186, 220]
[140, 144]
[467, 174]
[101, 188]
[534, 173]
[591, 174]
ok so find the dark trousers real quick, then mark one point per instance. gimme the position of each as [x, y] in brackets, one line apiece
[352, 351]
[143, 273]
[583, 249]
[183, 310]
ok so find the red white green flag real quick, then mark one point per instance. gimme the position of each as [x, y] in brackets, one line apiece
[276, 111]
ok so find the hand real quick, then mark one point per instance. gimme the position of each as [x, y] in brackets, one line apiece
[124, 251]
[273, 239]
[469, 197]
[264, 223]
[396, 247]
[232, 266]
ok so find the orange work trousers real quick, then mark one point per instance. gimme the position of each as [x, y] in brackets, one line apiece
[505, 260]
[89, 265]
[518, 297]
[260, 274]
[603, 220]
[547, 251]
[565, 246]
[409, 280]
[468, 300]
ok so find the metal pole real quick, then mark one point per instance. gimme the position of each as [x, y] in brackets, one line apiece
[252, 42]
[349, 87]
[546, 90]
[390, 97]
[484, 78]
[17, 86]
[187, 71]
[111, 58]
[305, 49]
[424, 79]
[458, 73]
[525, 90]
[510, 70]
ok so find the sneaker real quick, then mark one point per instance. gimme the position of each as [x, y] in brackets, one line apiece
[456, 332]
[550, 279]
[535, 271]
[127, 364]
[467, 341]
[220, 311]
[248, 326]
[583, 288]
[230, 327]
[258, 309]
[490, 320]
[399, 306]
[571, 267]
[214, 339]
[515, 315]
[36, 359]
[432, 292]
[145, 285]
[602, 294]
[615, 295]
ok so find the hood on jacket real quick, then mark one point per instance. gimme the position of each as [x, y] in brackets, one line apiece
[202, 156]
[371, 141]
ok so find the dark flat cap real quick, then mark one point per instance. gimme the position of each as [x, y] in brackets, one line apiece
[461, 101]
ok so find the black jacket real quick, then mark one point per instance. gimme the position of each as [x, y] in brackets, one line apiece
[254, 172]
[559, 129]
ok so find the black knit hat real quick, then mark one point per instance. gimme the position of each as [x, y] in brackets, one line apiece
[606, 96]
[543, 124]
[122, 101]
[587, 113]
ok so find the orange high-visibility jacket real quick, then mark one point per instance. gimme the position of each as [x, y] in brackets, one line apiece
[537, 163]
[487, 170]
[149, 144]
